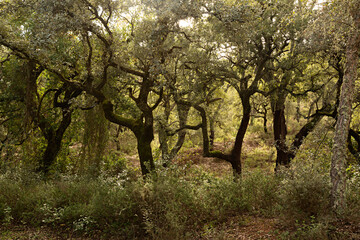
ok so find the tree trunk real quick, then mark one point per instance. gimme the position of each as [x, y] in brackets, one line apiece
[265, 120]
[302, 134]
[183, 112]
[54, 139]
[212, 133]
[144, 140]
[163, 136]
[280, 132]
[53, 136]
[52, 149]
[353, 151]
[235, 158]
[339, 150]
[143, 131]
[167, 153]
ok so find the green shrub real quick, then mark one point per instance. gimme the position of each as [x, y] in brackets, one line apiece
[116, 209]
[170, 204]
[261, 190]
[169, 207]
[353, 193]
[223, 198]
[308, 231]
[304, 192]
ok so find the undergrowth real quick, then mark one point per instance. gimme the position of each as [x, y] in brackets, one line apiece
[172, 204]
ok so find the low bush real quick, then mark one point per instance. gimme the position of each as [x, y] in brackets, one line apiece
[172, 204]
[353, 193]
[304, 193]
[260, 190]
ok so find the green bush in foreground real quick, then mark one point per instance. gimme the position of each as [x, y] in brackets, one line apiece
[304, 193]
[170, 204]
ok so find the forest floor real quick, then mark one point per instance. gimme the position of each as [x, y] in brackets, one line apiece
[245, 227]
[236, 228]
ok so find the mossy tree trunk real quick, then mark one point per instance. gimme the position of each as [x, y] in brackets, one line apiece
[339, 150]
[143, 126]
[53, 142]
[53, 132]
[144, 138]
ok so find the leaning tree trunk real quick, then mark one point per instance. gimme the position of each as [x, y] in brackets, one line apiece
[53, 136]
[235, 158]
[167, 153]
[339, 150]
[53, 142]
[183, 112]
[302, 134]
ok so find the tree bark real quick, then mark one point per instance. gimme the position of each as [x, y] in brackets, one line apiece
[53, 142]
[235, 159]
[302, 134]
[167, 153]
[280, 132]
[53, 136]
[339, 150]
[145, 152]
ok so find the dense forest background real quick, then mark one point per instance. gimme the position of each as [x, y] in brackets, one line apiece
[179, 119]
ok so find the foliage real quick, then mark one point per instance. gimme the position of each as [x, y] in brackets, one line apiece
[91, 91]
[171, 203]
[304, 192]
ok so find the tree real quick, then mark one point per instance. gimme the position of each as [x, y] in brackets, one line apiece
[128, 58]
[339, 150]
[257, 45]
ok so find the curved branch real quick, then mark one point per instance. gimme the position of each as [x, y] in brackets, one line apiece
[42, 98]
[108, 109]
[196, 127]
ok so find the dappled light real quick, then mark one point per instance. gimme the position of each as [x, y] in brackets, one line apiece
[168, 119]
